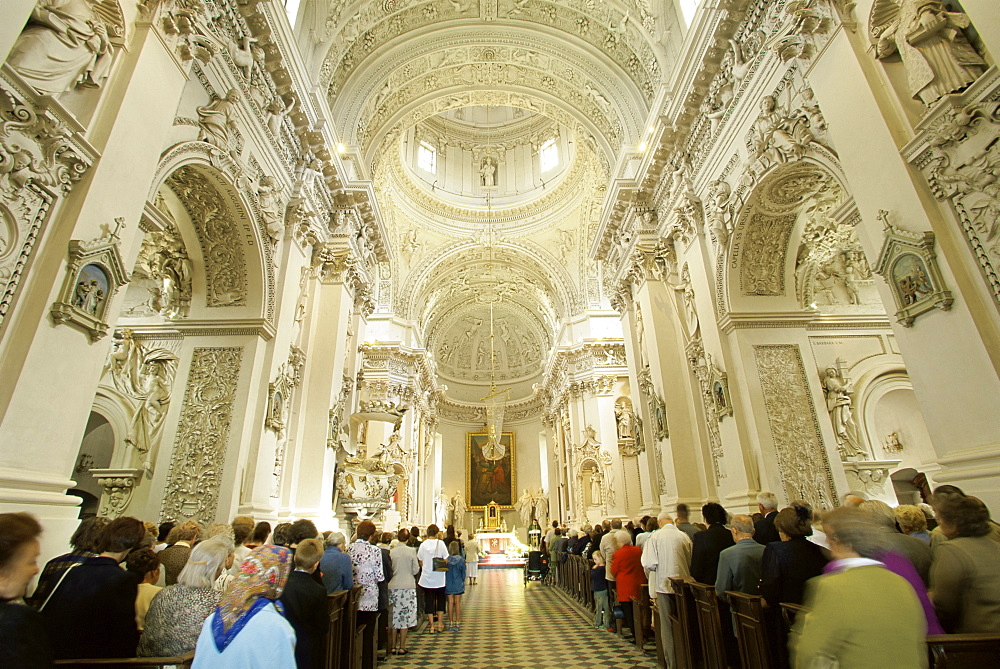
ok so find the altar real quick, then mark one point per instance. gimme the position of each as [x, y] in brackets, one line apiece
[495, 542]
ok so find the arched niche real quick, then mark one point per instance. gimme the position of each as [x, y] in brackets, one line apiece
[888, 406]
[794, 247]
[97, 450]
[219, 226]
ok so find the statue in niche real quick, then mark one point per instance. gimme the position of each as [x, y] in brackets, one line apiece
[640, 336]
[840, 406]
[687, 294]
[524, 506]
[595, 488]
[488, 171]
[780, 136]
[623, 418]
[65, 45]
[216, 120]
[936, 54]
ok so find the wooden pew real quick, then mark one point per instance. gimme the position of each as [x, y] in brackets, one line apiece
[687, 637]
[661, 660]
[751, 630]
[336, 607]
[179, 661]
[963, 651]
[642, 617]
[709, 624]
[350, 648]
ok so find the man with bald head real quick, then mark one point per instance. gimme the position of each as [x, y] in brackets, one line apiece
[739, 565]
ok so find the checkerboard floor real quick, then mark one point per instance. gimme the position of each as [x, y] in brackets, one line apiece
[506, 625]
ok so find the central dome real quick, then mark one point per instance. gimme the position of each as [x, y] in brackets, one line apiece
[509, 154]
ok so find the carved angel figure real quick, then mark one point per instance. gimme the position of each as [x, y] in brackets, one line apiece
[269, 192]
[936, 54]
[64, 45]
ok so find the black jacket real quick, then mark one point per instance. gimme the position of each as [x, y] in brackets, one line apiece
[92, 612]
[786, 566]
[305, 608]
[705, 552]
[24, 641]
[764, 531]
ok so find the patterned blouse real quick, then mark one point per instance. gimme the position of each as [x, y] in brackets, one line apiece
[367, 561]
[174, 620]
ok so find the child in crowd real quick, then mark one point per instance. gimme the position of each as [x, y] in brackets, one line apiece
[599, 584]
[454, 586]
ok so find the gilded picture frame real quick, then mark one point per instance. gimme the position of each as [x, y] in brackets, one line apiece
[486, 481]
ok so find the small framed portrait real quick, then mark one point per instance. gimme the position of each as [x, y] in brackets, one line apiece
[908, 264]
[276, 407]
[720, 396]
[94, 274]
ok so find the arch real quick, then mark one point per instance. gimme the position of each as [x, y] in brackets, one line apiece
[889, 405]
[224, 234]
[758, 269]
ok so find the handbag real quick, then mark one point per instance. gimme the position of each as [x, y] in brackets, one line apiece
[440, 564]
[618, 612]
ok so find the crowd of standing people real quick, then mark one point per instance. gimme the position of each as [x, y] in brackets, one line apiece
[237, 595]
[874, 580]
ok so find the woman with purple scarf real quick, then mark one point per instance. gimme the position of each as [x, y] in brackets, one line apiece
[248, 629]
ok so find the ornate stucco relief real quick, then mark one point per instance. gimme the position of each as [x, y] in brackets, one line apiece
[41, 159]
[798, 444]
[958, 151]
[192, 490]
[222, 243]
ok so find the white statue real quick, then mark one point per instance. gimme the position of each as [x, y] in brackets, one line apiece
[595, 489]
[174, 272]
[623, 418]
[936, 54]
[278, 110]
[524, 507]
[487, 172]
[460, 507]
[64, 45]
[838, 403]
[718, 212]
[272, 209]
[216, 120]
[541, 507]
[780, 136]
[442, 509]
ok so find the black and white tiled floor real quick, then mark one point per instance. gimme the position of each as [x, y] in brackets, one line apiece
[508, 626]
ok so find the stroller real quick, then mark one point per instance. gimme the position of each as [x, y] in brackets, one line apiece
[537, 568]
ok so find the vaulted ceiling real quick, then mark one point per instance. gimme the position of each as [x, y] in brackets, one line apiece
[481, 81]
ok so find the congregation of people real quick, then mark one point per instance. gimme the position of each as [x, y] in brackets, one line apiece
[874, 580]
[237, 595]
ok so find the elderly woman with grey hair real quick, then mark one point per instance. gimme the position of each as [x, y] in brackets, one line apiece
[177, 612]
[338, 572]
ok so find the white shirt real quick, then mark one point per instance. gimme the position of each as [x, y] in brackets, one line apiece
[429, 550]
[667, 552]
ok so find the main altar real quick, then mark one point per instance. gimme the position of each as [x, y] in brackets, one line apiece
[492, 531]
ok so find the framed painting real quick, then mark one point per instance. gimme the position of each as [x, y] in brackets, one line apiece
[489, 480]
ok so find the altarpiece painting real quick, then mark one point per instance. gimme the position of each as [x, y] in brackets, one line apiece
[489, 480]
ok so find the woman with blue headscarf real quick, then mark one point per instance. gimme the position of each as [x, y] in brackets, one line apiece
[248, 629]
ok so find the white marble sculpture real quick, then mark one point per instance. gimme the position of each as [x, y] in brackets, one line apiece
[936, 54]
[442, 509]
[64, 45]
[216, 120]
[840, 406]
[524, 506]
[541, 506]
[460, 508]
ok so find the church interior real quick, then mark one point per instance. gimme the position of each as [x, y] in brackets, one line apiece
[411, 260]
